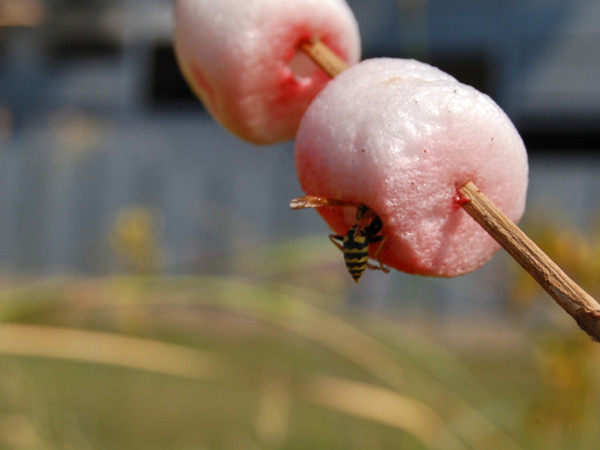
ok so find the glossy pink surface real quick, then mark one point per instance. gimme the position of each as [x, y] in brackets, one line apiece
[401, 137]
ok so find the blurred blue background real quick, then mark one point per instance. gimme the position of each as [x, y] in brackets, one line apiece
[108, 164]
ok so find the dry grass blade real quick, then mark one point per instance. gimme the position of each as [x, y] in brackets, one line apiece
[275, 304]
[116, 350]
[383, 406]
[280, 308]
[360, 400]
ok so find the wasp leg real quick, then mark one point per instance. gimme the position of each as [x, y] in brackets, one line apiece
[381, 266]
[334, 237]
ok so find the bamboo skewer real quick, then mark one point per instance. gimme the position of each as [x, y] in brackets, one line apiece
[568, 294]
[324, 57]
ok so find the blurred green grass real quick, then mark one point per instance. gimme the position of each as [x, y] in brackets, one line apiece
[226, 362]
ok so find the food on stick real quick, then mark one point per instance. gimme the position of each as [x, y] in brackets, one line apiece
[402, 137]
[243, 59]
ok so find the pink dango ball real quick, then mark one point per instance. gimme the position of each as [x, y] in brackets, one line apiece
[401, 137]
[242, 59]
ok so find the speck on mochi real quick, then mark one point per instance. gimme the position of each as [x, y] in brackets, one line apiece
[241, 58]
[401, 137]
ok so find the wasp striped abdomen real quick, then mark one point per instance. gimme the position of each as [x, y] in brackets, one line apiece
[356, 253]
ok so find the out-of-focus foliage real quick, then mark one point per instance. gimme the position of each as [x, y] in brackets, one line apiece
[134, 239]
[567, 360]
[576, 251]
[225, 362]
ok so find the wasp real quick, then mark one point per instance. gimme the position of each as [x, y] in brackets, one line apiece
[355, 243]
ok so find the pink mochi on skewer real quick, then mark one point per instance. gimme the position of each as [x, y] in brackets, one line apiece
[242, 59]
[402, 137]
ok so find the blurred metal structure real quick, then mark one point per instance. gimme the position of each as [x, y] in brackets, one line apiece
[536, 58]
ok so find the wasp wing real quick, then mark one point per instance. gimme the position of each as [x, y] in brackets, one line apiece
[314, 201]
